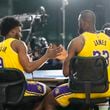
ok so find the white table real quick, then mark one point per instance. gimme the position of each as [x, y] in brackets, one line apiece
[50, 77]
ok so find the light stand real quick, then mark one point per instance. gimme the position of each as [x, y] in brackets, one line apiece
[64, 4]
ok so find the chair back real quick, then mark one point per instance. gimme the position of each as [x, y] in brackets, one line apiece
[88, 75]
[12, 86]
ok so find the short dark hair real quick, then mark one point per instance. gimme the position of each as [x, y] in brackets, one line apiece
[89, 16]
[7, 24]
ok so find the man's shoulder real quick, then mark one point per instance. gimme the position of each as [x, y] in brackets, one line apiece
[79, 38]
[18, 43]
[77, 43]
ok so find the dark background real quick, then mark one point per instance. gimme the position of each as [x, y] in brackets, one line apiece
[53, 9]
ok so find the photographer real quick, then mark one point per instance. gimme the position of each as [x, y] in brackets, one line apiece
[38, 46]
[106, 29]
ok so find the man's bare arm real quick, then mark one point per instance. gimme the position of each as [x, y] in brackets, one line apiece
[74, 47]
[25, 60]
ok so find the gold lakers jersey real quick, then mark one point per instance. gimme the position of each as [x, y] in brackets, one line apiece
[96, 44]
[8, 57]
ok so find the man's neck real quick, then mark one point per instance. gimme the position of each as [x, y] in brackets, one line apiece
[91, 30]
[7, 37]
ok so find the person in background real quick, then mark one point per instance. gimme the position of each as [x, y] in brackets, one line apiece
[106, 29]
[14, 54]
[87, 44]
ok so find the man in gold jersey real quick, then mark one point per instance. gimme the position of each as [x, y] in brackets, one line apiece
[14, 54]
[88, 43]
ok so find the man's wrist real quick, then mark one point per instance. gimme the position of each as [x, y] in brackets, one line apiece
[46, 57]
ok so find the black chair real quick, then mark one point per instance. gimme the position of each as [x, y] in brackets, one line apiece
[88, 75]
[12, 87]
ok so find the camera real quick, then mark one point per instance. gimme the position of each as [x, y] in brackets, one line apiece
[39, 46]
[107, 31]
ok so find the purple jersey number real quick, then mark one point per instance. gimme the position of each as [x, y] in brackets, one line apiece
[104, 53]
[1, 63]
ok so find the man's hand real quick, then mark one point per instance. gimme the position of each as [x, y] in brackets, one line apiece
[53, 52]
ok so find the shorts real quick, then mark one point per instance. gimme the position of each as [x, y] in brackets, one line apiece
[63, 94]
[35, 89]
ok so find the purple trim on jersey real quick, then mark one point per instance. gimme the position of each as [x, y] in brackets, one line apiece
[35, 88]
[60, 90]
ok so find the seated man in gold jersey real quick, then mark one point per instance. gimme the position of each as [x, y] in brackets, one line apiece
[88, 43]
[14, 54]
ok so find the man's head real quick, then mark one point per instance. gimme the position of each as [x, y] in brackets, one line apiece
[86, 21]
[10, 27]
[106, 28]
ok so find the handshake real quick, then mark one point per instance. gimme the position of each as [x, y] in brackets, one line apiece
[53, 51]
